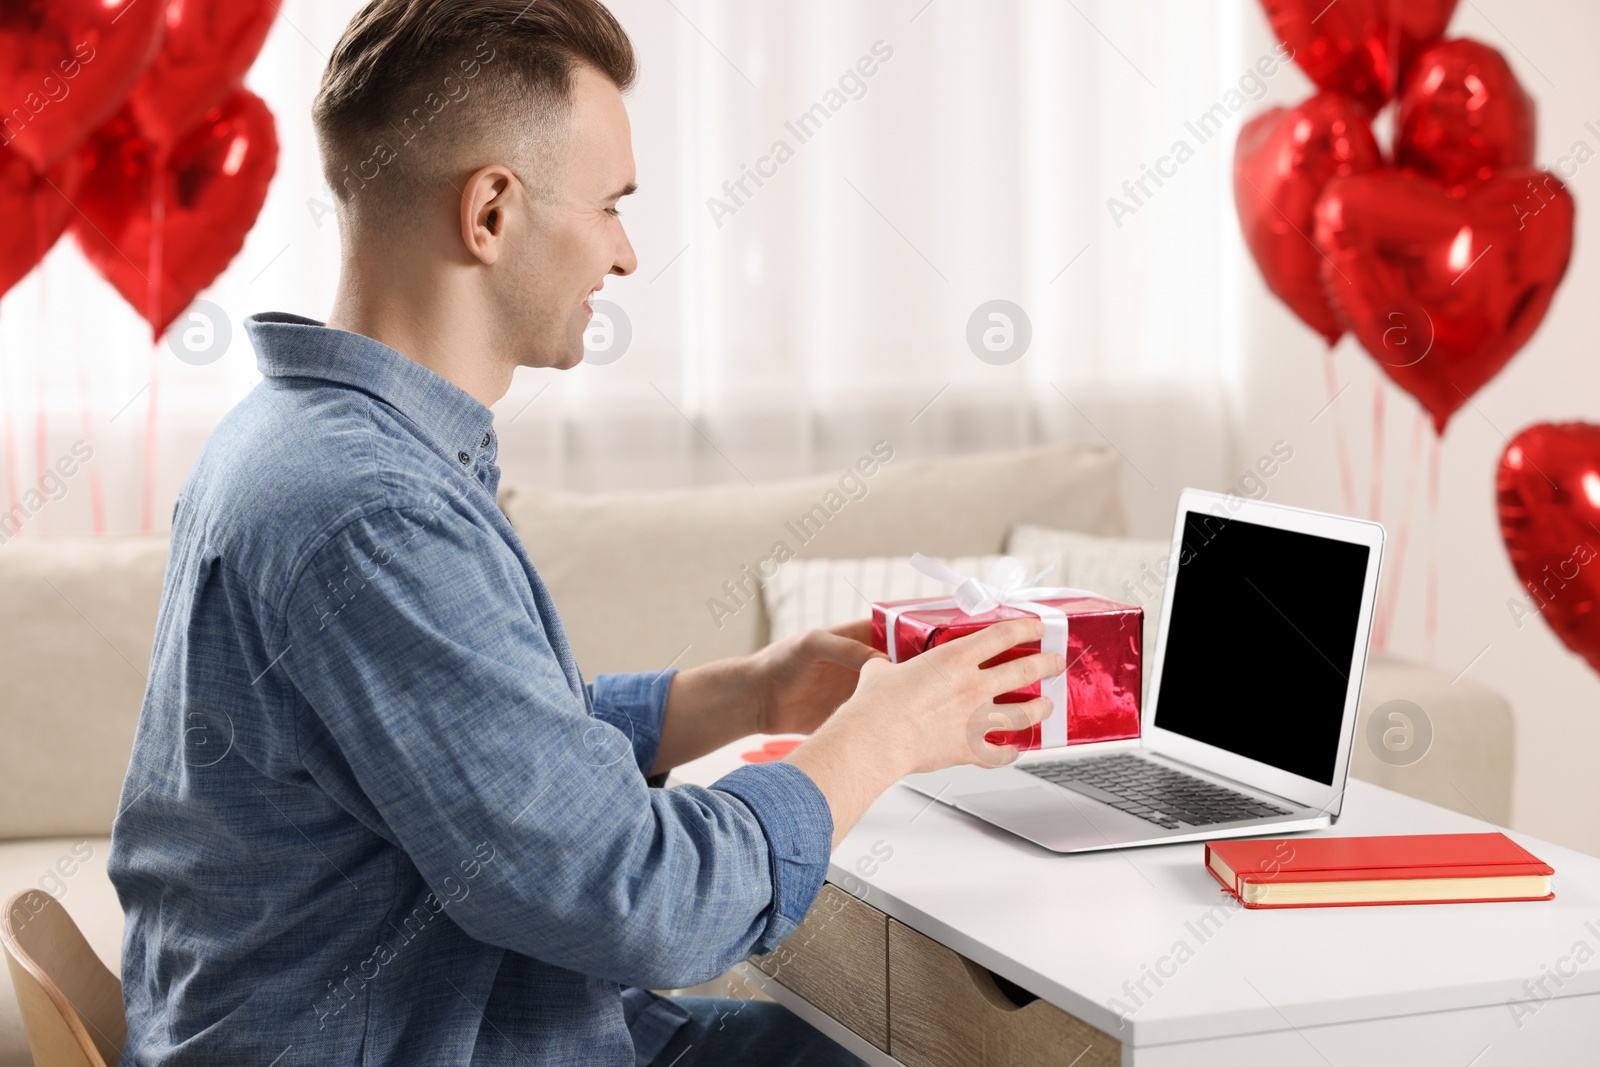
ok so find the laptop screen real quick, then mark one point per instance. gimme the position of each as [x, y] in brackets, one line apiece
[1260, 637]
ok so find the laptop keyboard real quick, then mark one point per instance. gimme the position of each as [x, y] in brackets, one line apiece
[1154, 793]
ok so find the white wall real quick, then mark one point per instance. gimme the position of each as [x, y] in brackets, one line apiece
[1555, 695]
[828, 311]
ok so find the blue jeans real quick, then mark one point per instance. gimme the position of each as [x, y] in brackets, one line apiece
[725, 1032]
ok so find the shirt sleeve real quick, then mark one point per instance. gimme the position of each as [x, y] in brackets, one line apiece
[442, 710]
[635, 704]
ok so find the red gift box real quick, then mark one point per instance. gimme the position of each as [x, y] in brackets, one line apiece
[1103, 652]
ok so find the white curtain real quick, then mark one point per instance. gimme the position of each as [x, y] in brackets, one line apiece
[934, 156]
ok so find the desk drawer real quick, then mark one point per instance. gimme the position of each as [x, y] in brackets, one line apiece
[945, 1010]
[838, 960]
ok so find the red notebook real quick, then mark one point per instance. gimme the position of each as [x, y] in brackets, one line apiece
[1325, 872]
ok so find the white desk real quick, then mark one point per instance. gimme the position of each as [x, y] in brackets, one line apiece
[1366, 986]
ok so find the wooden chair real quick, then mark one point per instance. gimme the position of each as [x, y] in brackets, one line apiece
[71, 1005]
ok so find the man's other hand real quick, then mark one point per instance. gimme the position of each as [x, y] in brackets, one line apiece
[802, 679]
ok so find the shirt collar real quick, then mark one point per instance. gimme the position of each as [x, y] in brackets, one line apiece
[289, 346]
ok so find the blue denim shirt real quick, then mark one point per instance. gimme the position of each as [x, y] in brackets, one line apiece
[373, 814]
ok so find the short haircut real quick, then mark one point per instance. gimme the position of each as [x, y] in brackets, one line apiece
[422, 92]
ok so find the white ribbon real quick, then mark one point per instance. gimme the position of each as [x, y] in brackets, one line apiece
[1010, 586]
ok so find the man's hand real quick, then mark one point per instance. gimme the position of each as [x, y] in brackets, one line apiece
[925, 714]
[791, 686]
[873, 721]
[803, 679]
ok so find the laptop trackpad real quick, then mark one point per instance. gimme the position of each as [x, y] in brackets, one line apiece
[1055, 817]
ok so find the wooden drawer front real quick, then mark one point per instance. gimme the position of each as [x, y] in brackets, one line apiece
[838, 960]
[945, 1010]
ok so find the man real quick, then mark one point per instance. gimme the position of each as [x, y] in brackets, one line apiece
[374, 814]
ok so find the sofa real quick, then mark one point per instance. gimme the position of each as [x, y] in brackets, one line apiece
[644, 581]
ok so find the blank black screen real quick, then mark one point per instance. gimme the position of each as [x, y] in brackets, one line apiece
[1259, 642]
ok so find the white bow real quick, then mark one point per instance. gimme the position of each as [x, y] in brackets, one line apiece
[1008, 585]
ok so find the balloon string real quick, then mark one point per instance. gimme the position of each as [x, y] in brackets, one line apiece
[41, 381]
[1341, 444]
[148, 507]
[10, 430]
[1375, 509]
[158, 173]
[97, 499]
[1391, 601]
[97, 508]
[1433, 557]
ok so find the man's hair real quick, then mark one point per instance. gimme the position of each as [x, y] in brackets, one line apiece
[421, 92]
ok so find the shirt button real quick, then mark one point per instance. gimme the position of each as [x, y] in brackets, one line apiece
[485, 441]
[463, 457]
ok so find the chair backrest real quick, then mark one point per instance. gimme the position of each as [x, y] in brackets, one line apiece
[71, 1004]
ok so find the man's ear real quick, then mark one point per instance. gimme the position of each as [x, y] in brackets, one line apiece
[485, 211]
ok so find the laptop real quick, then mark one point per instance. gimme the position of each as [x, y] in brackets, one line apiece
[1251, 712]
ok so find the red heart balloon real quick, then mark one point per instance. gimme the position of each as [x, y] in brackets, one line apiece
[208, 47]
[39, 205]
[1281, 163]
[1443, 290]
[1463, 114]
[206, 192]
[1359, 47]
[65, 66]
[1548, 491]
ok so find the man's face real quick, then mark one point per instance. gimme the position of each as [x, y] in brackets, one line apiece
[577, 235]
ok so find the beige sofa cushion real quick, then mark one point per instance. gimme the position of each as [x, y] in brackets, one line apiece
[635, 575]
[1454, 743]
[75, 641]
